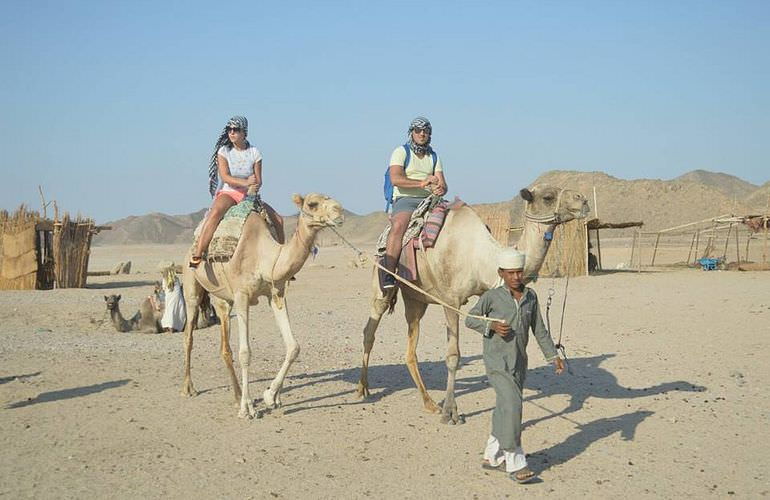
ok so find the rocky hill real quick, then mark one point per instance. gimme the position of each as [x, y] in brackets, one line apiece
[658, 203]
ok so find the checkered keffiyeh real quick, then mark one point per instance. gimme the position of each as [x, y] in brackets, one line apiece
[236, 122]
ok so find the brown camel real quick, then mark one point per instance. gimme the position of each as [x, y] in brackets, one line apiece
[145, 320]
[458, 267]
[259, 267]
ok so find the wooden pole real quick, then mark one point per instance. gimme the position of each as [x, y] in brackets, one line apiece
[697, 242]
[748, 240]
[737, 250]
[727, 240]
[633, 247]
[639, 251]
[764, 248]
[598, 252]
[655, 250]
[689, 252]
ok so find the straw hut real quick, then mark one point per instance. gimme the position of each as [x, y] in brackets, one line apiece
[497, 217]
[576, 249]
[40, 254]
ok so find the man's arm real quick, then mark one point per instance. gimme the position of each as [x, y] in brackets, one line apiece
[481, 308]
[542, 335]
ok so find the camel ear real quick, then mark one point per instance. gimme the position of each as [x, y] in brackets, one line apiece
[117, 298]
[526, 194]
[297, 199]
[106, 298]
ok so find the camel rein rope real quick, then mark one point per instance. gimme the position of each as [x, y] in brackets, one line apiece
[408, 283]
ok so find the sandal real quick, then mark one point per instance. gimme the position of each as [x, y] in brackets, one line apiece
[195, 261]
[523, 476]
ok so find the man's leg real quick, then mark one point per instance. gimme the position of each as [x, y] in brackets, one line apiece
[506, 417]
[398, 224]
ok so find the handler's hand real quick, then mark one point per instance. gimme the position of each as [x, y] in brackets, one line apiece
[439, 190]
[558, 363]
[500, 328]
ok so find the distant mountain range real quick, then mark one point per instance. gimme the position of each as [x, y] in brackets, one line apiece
[659, 204]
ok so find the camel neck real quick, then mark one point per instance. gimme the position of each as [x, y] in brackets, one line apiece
[534, 243]
[295, 252]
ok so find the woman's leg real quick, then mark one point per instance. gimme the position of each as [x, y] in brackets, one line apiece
[216, 212]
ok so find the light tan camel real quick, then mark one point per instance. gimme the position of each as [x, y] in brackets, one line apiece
[259, 267]
[145, 320]
[461, 265]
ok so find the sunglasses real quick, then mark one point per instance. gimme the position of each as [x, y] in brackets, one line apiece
[233, 129]
[425, 131]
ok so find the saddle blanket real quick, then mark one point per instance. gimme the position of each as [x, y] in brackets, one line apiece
[422, 232]
[228, 232]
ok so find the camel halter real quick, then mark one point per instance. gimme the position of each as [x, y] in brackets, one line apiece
[554, 218]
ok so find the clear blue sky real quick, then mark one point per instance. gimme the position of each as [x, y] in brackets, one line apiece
[114, 106]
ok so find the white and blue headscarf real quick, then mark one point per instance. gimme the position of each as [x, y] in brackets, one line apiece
[224, 140]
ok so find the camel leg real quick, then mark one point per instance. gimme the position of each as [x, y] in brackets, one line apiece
[223, 311]
[272, 395]
[378, 307]
[192, 297]
[449, 413]
[241, 308]
[414, 313]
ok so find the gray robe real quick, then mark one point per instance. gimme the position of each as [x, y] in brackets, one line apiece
[505, 358]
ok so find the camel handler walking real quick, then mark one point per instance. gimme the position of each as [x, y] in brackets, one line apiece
[505, 360]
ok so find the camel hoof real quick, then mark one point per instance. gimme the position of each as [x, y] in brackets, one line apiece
[271, 402]
[363, 392]
[452, 418]
[189, 391]
[248, 412]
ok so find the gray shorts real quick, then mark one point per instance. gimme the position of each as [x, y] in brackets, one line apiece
[406, 204]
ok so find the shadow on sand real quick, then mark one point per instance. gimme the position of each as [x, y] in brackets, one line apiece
[5, 380]
[119, 284]
[76, 392]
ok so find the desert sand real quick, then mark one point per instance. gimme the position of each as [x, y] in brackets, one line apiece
[667, 395]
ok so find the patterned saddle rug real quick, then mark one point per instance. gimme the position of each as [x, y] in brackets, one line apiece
[421, 233]
[228, 232]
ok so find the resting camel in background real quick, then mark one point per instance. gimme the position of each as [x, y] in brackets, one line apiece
[460, 265]
[259, 267]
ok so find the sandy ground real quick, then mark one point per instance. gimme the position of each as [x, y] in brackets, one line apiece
[667, 396]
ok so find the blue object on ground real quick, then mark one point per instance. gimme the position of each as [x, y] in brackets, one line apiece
[709, 264]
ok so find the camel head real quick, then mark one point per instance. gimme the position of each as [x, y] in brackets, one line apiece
[549, 204]
[318, 210]
[112, 302]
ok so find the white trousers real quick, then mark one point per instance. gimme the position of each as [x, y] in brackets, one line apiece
[514, 460]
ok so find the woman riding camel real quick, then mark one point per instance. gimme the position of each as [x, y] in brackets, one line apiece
[235, 166]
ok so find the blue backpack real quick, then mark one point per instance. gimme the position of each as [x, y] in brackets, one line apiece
[387, 186]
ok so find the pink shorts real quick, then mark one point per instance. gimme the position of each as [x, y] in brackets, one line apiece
[237, 196]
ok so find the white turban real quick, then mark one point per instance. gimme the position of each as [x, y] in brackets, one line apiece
[510, 259]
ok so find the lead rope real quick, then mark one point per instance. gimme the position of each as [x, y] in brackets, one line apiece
[551, 291]
[363, 257]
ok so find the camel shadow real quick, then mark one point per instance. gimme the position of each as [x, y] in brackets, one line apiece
[589, 379]
[5, 380]
[76, 392]
[587, 434]
[119, 284]
[384, 380]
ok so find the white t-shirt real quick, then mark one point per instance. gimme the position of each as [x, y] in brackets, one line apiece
[418, 169]
[241, 165]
